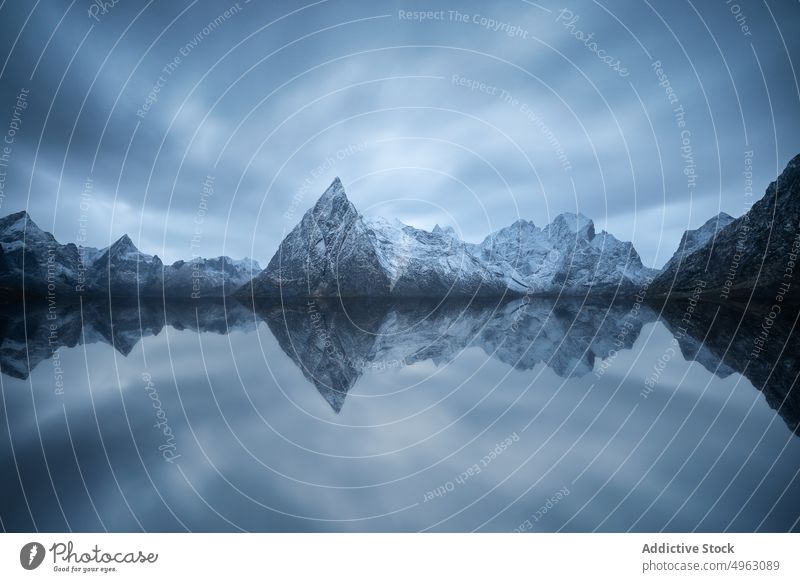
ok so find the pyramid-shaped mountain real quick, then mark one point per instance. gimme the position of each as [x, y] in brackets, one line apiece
[336, 252]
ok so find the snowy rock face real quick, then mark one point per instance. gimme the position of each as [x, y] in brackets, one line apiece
[122, 269]
[334, 347]
[33, 260]
[330, 253]
[336, 252]
[434, 264]
[202, 278]
[750, 254]
[565, 256]
[692, 241]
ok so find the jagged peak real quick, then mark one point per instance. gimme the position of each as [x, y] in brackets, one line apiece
[518, 224]
[789, 177]
[717, 222]
[522, 223]
[605, 238]
[247, 262]
[334, 191]
[794, 164]
[124, 242]
[17, 216]
[21, 220]
[573, 217]
[515, 229]
[222, 260]
[445, 231]
[724, 216]
[230, 261]
[713, 224]
[573, 223]
[123, 247]
[332, 202]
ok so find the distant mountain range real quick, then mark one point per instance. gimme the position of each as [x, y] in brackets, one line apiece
[33, 260]
[336, 252]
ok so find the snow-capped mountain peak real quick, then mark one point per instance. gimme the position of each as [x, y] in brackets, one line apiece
[32, 259]
[445, 231]
[16, 222]
[570, 225]
[692, 240]
[335, 251]
[332, 202]
[124, 249]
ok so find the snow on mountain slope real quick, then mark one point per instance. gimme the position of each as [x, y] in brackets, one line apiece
[334, 251]
[748, 256]
[33, 259]
[693, 240]
[201, 277]
[120, 268]
[565, 256]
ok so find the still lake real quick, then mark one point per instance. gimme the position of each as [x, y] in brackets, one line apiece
[518, 415]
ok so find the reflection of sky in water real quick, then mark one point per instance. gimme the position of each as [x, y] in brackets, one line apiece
[262, 450]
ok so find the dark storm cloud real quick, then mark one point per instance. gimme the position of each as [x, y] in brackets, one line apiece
[474, 119]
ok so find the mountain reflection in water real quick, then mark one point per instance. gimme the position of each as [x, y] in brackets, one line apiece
[334, 343]
[251, 434]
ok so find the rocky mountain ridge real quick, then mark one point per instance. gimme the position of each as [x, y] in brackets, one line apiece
[752, 256]
[32, 260]
[336, 252]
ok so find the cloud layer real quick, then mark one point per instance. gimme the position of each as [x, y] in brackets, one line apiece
[639, 117]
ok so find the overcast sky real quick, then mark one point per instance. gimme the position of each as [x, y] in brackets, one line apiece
[268, 102]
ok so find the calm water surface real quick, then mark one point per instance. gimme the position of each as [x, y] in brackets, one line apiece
[535, 416]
